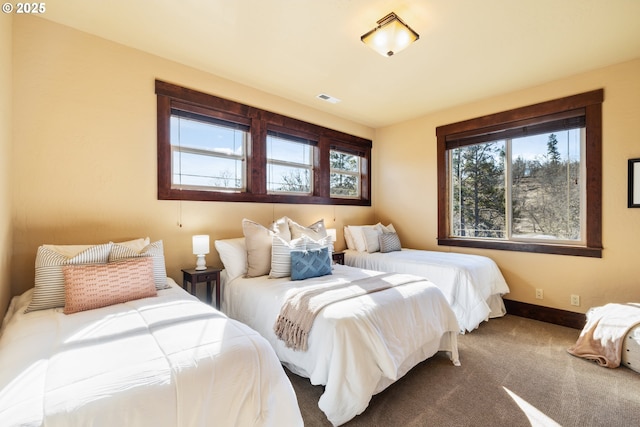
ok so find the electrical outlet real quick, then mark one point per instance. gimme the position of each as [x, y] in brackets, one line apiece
[575, 300]
[539, 294]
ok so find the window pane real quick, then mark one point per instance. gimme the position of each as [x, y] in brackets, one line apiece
[207, 171]
[546, 181]
[288, 179]
[477, 191]
[345, 174]
[207, 154]
[289, 165]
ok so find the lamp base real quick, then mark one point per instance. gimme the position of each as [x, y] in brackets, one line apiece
[200, 263]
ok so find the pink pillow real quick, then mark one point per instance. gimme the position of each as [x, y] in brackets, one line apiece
[90, 286]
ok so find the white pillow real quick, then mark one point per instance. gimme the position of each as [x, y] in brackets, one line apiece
[371, 238]
[348, 238]
[233, 254]
[358, 237]
[316, 230]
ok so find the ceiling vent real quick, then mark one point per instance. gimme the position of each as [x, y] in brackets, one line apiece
[328, 98]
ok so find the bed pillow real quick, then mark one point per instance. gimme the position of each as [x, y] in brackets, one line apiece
[348, 240]
[154, 250]
[281, 256]
[91, 286]
[310, 263]
[281, 252]
[316, 231]
[49, 279]
[233, 254]
[371, 237]
[72, 250]
[358, 237]
[389, 242]
[258, 240]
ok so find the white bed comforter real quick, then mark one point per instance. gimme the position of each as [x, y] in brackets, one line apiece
[472, 284]
[357, 347]
[164, 361]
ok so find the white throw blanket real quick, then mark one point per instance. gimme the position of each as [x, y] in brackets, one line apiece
[601, 338]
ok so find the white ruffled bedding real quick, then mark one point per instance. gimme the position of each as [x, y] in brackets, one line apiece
[472, 284]
[168, 361]
[357, 347]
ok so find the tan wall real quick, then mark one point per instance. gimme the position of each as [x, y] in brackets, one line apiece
[5, 158]
[409, 153]
[85, 150]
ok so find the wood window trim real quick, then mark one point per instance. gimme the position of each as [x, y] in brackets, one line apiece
[172, 96]
[591, 103]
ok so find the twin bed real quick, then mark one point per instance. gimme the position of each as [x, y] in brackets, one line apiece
[164, 360]
[472, 284]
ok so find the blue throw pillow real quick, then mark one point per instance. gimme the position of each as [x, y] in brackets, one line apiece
[310, 263]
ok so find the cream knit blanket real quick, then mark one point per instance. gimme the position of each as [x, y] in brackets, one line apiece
[301, 308]
[602, 336]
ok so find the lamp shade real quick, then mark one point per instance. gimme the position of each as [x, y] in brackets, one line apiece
[332, 232]
[390, 36]
[200, 244]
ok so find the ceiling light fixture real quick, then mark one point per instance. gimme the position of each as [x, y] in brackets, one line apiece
[390, 36]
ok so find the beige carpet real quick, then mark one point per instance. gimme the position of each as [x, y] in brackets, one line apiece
[515, 372]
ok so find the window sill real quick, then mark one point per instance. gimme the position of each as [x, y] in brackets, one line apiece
[524, 247]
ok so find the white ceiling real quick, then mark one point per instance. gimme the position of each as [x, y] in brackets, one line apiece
[297, 49]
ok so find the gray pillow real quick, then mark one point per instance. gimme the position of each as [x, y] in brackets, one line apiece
[389, 242]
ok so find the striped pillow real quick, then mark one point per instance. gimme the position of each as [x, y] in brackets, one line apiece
[49, 280]
[281, 256]
[154, 250]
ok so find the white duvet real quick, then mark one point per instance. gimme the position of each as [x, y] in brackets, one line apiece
[472, 284]
[357, 347]
[169, 360]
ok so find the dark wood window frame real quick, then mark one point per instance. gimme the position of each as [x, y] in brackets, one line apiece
[587, 104]
[170, 96]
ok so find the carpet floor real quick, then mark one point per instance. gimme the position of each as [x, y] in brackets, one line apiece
[515, 372]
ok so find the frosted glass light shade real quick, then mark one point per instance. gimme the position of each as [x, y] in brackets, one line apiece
[332, 232]
[200, 244]
[200, 248]
[390, 36]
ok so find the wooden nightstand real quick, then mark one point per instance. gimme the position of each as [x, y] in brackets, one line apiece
[338, 257]
[193, 277]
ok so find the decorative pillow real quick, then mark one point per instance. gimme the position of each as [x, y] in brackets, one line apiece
[49, 280]
[233, 254]
[310, 263]
[153, 250]
[91, 286]
[281, 255]
[72, 250]
[258, 240]
[389, 242]
[316, 230]
[281, 228]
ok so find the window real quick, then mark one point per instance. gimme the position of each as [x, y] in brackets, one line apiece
[289, 164]
[214, 149]
[518, 180]
[207, 153]
[345, 174]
